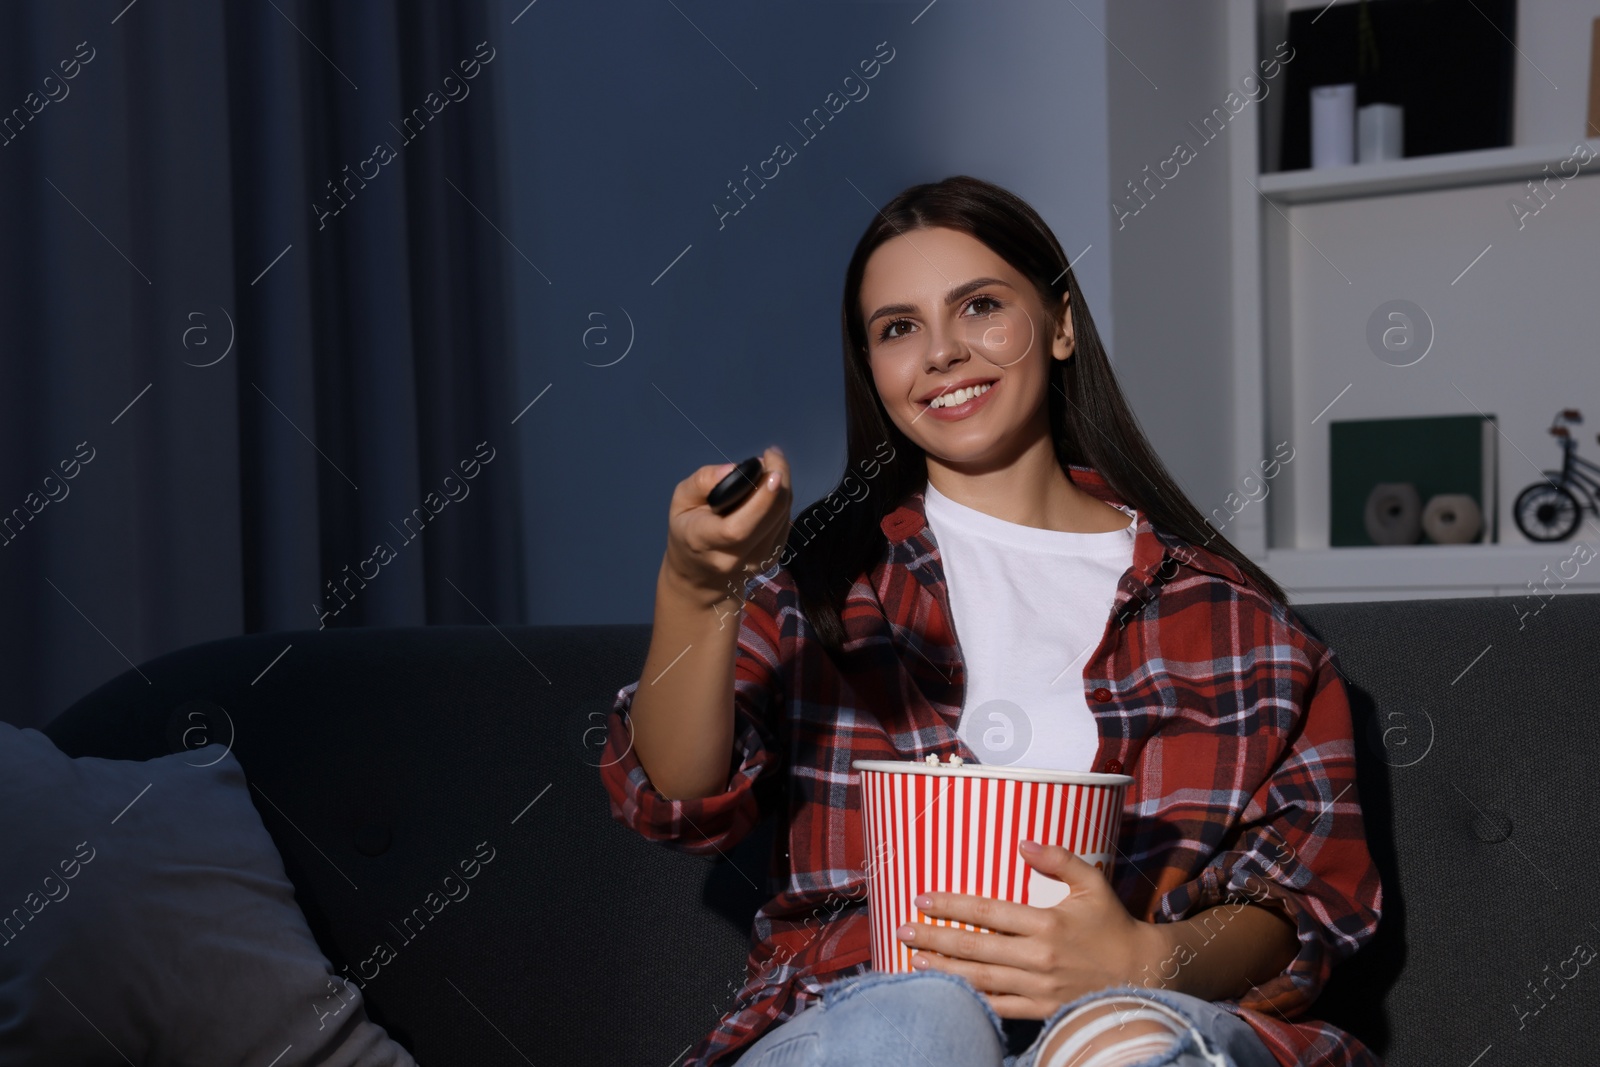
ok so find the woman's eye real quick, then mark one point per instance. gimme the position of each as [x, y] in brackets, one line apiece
[887, 334]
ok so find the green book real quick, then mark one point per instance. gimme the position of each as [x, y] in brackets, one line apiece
[1436, 453]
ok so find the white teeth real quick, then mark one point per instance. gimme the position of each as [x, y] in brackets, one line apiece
[960, 396]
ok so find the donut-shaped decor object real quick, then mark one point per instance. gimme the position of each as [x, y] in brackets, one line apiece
[1394, 514]
[1452, 518]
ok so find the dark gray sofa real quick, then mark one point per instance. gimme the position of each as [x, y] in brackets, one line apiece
[387, 755]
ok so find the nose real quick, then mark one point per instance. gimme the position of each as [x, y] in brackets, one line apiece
[946, 348]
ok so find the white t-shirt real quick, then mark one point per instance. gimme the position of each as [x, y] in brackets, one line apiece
[1030, 606]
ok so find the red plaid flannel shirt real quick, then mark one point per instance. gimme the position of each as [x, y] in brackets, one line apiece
[1231, 719]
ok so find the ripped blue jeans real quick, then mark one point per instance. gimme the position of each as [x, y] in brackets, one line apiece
[937, 1019]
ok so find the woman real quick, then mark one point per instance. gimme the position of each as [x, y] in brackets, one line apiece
[1096, 609]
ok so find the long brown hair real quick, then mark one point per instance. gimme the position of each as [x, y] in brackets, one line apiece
[829, 546]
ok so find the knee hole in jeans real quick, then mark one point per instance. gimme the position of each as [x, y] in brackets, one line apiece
[1114, 1031]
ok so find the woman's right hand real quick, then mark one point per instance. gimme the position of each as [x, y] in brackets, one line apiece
[713, 555]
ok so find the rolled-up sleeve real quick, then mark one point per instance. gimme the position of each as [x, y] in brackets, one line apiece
[706, 825]
[1300, 849]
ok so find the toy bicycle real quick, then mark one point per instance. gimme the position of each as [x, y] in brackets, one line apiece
[1550, 510]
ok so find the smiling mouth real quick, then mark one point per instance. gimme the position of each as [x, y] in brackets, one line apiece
[959, 396]
[967, 397]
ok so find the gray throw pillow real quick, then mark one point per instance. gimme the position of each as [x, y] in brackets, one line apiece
[145, 918]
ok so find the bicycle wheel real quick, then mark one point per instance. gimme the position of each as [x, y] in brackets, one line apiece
[1546, 512]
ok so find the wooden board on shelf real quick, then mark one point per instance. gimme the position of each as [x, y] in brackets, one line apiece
[1418, 571]
[1430, 172]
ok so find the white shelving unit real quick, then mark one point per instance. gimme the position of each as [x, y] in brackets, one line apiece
[1280, 357]
[1427, 571]
[1513, 163]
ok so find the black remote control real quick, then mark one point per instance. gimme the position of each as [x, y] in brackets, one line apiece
[735, 486]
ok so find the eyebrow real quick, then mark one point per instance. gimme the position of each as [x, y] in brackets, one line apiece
[950, 298]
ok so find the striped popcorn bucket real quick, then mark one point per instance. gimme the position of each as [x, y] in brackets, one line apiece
[955, 829]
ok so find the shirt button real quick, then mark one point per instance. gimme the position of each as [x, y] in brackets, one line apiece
[1113, 766]
[1102, 694]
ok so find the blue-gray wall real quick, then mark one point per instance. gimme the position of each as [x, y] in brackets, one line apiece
[1171, 257]
[624, 126]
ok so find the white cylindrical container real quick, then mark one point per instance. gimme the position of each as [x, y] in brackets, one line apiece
[1333, 125]
[1381, 133]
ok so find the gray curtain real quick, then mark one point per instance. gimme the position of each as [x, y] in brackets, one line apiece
[254, 370]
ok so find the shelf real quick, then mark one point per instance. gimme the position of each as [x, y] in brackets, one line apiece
[1380, 572]
[1442, 171]
[1422, 220]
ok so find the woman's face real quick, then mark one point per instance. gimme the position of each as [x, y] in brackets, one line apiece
[943, 311]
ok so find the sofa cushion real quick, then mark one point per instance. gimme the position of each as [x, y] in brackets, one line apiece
[382, 758]
[147, 919]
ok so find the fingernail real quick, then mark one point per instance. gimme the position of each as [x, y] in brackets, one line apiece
[1029, 846]
[774, 480]
[923, 901]
[776, 449]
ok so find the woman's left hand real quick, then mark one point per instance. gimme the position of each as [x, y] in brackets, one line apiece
[1038, 958]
